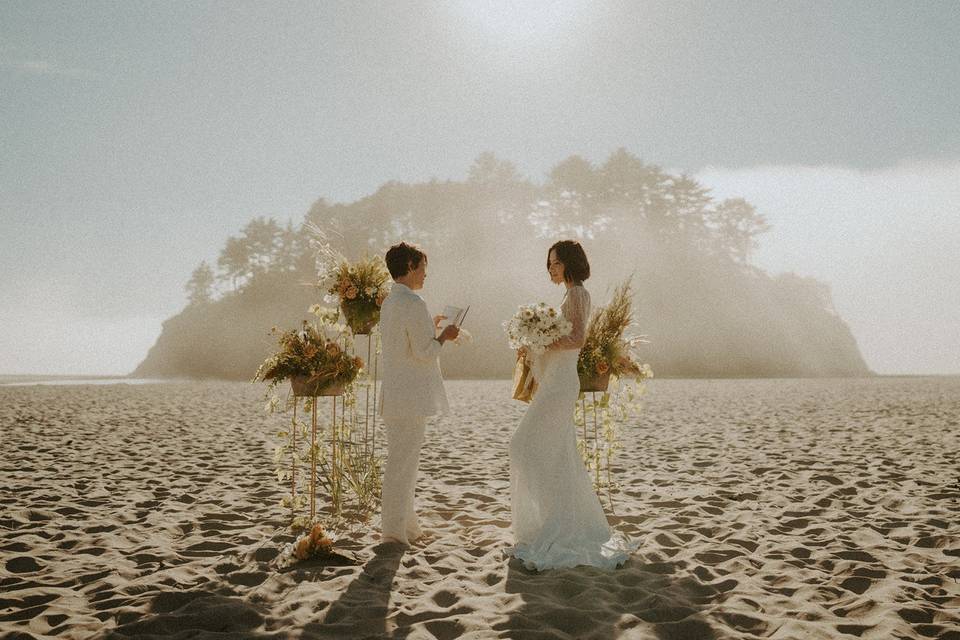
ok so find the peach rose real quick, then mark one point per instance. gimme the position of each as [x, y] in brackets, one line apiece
[319, 540]
[333, 350]
[351, 292]
[303, 548]
[602, 367]
[324, 545]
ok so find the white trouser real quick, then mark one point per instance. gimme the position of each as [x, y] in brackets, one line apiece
[404, 439]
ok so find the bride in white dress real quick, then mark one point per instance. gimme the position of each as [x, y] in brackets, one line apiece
[557, 517]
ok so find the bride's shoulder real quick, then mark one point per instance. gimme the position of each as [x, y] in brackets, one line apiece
[577, 293]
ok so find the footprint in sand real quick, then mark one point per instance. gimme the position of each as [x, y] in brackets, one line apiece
[23, 564]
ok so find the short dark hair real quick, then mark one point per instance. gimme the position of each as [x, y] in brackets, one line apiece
[576, 268]
[403, 257]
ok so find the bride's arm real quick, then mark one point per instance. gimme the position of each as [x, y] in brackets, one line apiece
[578, 306]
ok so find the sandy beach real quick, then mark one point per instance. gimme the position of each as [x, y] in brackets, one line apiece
[766, 509]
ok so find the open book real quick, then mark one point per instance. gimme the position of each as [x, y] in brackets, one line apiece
[455, 316]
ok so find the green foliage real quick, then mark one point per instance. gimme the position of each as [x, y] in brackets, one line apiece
[599, 416]
[345, 460]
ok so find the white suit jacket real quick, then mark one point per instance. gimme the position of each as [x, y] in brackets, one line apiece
[412, 385]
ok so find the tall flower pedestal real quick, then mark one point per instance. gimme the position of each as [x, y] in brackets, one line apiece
[605, 400]
[368, 382]
[313, 388]
[359, 426]
[592, 413]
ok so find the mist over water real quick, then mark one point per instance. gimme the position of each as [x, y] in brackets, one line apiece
[707, 310]
[884, 240]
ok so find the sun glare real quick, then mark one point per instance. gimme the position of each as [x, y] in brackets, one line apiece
[519, 28]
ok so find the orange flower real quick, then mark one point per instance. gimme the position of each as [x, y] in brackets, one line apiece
[332, 349]
[303, 548]
[627, 366]
[358, 362]
[351, 292]
[323, 545]
[602, 367]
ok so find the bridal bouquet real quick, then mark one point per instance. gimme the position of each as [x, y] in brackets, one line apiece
[535, 326]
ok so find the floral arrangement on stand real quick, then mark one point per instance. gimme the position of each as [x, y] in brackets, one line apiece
[309, 356]
[609, 365]
[317, 361]
[358, 287]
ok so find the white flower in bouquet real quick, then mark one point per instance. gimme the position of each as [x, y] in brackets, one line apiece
[535, 327]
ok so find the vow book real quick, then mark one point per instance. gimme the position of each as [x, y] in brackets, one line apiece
[455, 315]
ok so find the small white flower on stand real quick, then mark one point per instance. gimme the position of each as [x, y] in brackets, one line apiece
[273, 403]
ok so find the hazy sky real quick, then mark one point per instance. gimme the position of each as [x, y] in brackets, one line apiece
[137, 136]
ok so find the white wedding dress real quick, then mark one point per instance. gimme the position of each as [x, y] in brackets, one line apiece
[557, 517]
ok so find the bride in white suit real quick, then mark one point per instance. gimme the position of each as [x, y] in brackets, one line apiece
[412, 387]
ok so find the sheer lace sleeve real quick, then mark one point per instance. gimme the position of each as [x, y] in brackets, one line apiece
[576, 309]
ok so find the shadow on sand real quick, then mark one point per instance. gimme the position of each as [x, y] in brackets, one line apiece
[361, 611]
[585, 602]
